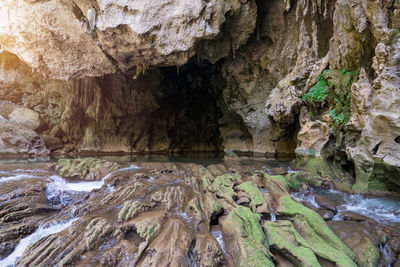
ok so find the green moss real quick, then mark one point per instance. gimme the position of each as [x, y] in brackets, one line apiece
[334, 87]
[315, 230]
[94, 237]
[223, 186]
[283, 237]
[279, 178]
[314, 165]
[254, 193]
[147, 230]
[129, 210]
[206, 178]
[369, 255]
[339, 83]
[317, 93]
[294, 179]
[248, 237]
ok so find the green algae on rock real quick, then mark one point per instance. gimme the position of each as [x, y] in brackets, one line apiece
[254, 193]
[283, 237]
[85, 169]
[315, 230]
[243, 226]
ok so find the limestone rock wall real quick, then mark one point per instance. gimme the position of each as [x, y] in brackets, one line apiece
[156, 111]
[269, 76]
[82, 38]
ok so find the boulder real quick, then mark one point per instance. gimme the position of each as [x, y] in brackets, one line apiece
[18, 139]
[26, 117]
[52, 143]
[361, 239]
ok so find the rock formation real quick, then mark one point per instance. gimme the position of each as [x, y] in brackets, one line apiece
[134, 76]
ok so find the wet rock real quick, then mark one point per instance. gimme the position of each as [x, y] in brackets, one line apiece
[85, 169]
[294, 179]
[131, 208]
[327, 215]
[244, 201]
[216, 169]
[397, 264]
[283, 237]
[166, 222]
[97, 230]
[18, 139]
[207, 251]
[348, 215]
[360, 239]
[23, 206]
[249, 241]
[326, 203]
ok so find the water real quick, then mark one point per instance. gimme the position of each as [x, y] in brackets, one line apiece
[41, 232]
[289, 170]
[217, 234]
[184, 215]
[60, 191]
[305, 197]
[272, 216]
[380, 209]
[17, 177]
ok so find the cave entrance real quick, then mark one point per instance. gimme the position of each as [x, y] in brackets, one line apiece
[188, 99]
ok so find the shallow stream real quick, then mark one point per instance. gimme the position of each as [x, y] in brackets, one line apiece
[62, 196]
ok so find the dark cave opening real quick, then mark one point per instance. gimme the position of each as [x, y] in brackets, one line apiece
[188, 99]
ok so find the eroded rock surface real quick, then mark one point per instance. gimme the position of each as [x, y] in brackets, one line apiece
[93, 38]
[17, 139]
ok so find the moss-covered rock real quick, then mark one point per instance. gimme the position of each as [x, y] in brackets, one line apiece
[248, 238]
[85, 169]
[131, 208]
[315, 230]
[313, 164]
[361, 238]
[294, 179]
[223, 186]
[254, 193]
[283, 237]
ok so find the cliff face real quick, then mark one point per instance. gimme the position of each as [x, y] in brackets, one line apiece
[318, 78]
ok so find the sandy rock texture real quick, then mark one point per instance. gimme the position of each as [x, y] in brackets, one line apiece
[83, 38]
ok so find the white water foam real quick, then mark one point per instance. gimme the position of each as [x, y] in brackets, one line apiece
[184, 216]
[305, 197]
[17, 177]
[289, 170]
[383, 210]
[130, 168]
[272, 216]
[24, 243]
[60, 184]
[217, 234]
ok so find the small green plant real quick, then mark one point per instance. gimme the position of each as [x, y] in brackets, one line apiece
[317, 93]
[337, 118]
